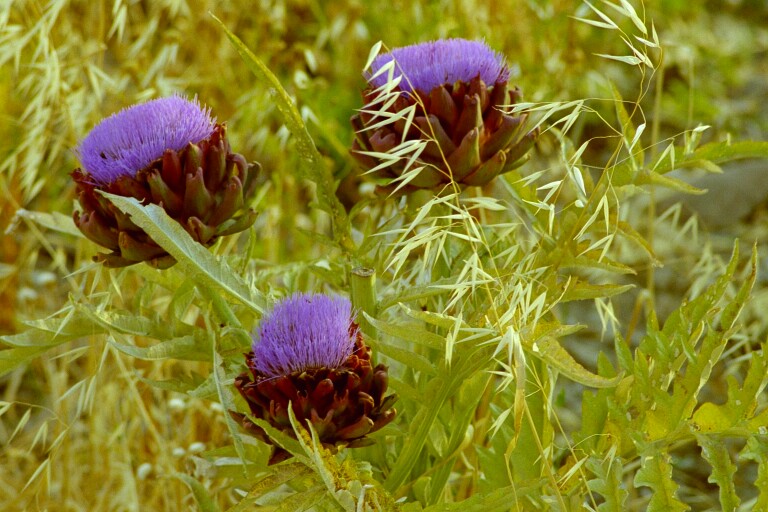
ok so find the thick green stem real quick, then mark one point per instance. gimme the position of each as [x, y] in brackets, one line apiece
[363, 284]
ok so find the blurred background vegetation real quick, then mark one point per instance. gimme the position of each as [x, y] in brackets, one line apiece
[79, 431]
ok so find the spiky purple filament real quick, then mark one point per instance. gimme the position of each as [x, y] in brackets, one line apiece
[304, 331]
[445, 61]
[131, 139]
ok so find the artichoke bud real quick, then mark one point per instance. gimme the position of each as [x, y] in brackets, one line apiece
[162, 193]
[231, 201]
[197, 199]
[216, 167]
[94, 227]
[466, 157]
[503, 136]
[440, 145]
[490, 168]
[442, 106]
[382, 141]
[144, 152]
[518, 154]
[237, 224]
[199, 230]
[309, 353]
[136, 250]
[172, 172]
[193, 159]
[471, 117]
[237, 167]
[460, 90]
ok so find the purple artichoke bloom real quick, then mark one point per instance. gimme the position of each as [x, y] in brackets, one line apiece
[169, 152]
[459, 94]
[305, 331]
[308, 354]
[129, 140]
[445, 61]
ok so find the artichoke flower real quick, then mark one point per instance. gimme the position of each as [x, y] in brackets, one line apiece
[309, 353]
[169, 152]
[460, 89]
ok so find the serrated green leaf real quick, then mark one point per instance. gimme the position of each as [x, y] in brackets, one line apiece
[556, 356]
[280, 475]
[733, 309]
[12, 358]
[586, 291]
[417, 293]
[759, 423]
[125, 323]
[623, 353]
[654, 178]
[588, 261]
[549, 329]
[69, 324]
[712, 418]
[311, 447]
[282, 439]
[609, 483]
[409, 358]
[203, 498]
[504, 499]
[186, 348]
[723, 470]
[301, 501]
[656, 472]
[745, 398]
[206, 389]
[756, 450]
[37, 338]
[411, 333]
[194, 259]
[715, 152]
[182, 298]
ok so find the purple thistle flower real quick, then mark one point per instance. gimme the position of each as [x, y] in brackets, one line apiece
[445, 61]
[131, 139]
[309, 357]
[305, 331]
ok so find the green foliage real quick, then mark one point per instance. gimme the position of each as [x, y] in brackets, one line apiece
[491, 306]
